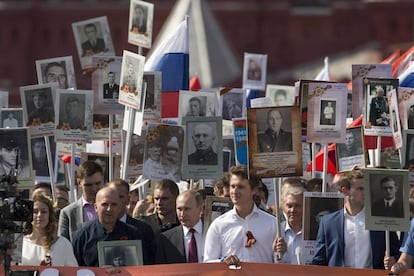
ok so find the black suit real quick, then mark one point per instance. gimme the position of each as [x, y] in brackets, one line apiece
[396, 210]
[156, 226]
[109, 91]
[97, 48]
[144, 231]
[170, 247]
[268, 143]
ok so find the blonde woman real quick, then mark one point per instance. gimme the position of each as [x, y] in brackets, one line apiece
[42, 246]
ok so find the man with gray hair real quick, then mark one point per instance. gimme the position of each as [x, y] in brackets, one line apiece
[290, 241]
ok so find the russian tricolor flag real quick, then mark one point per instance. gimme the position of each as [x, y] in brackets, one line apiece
[171, 58]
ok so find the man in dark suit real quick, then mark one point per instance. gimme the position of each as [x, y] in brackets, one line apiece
[94, 44]
[142, 228]
[389, 205]
[90, 178]
[176, 245]
[203, 138]
[338, 245]
[111, 89]
[165, 217]
[274, 139]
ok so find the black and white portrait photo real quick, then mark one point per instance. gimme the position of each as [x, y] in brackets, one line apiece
[58, 70]
[11, 117]
[274, 130]
[39, 155]
[72, 111]
[39, 106]
[408, 149]
[328, 112]
[353, 143]
[254, 71]
[15, 153]
[140, 23]
[232, 106]
[202, 144]
[386, 196]
[111, 86]
[120, 253]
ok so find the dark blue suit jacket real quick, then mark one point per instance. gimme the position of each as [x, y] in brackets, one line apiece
[330, 247]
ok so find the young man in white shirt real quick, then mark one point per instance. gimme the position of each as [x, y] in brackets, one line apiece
[244, 233]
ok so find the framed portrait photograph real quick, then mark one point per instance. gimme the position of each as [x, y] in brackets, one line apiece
[120, 253]
[203, 154]
[39, 157]
[406, 107]
[163, 152]
[136, 155]
[281, 95]
[395, 119]
[407, 152]
[196, 104]
[131, 80]
[92, 37]
[16, 153]
[38, 102]
[228, 144]
[377, 117]
[103, 160]
[11, 117]
[254, 71]
[352, 152]
[140, 23]
[101, 127]
[58, 70]
[152, 106]
[233, 104]
[386, 199]
[274, 142]
[326, 114]
[316, 205]
[4, 99]
[213, 208]
[73, 115]
[106, 79]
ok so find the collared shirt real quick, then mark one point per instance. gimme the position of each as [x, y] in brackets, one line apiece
[123, 218]
[227, 235]
[357, 241]
[198, 234]
[294, 245]
[390, 202]
[88, 209]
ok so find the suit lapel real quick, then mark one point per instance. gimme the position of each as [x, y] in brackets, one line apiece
[180, 242]
[341, 239]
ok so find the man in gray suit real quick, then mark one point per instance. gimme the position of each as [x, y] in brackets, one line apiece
[90, 178]
[176, 244]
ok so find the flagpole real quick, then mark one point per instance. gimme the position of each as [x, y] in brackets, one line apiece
[110, 154]
[276, 185]
[325, 167]
[72, 173]
[50, 166]
[313, 148]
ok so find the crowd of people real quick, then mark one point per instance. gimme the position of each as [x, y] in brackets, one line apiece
[169, 224]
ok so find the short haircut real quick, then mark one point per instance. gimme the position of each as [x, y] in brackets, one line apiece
[119, 182]
[292, 190]
[88, 168]
[387, 179]
[241, 171]
[54, 64]
[197, 196]
[222, 183]
[349, 176]
[89, 25]
[167, 184]
[195, 99]
[42, 185]
[62, 188]
[111, 72]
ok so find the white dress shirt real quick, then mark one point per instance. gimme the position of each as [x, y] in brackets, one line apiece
[357, 241]
[227, 235]
[198, 234]
[293, 243]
